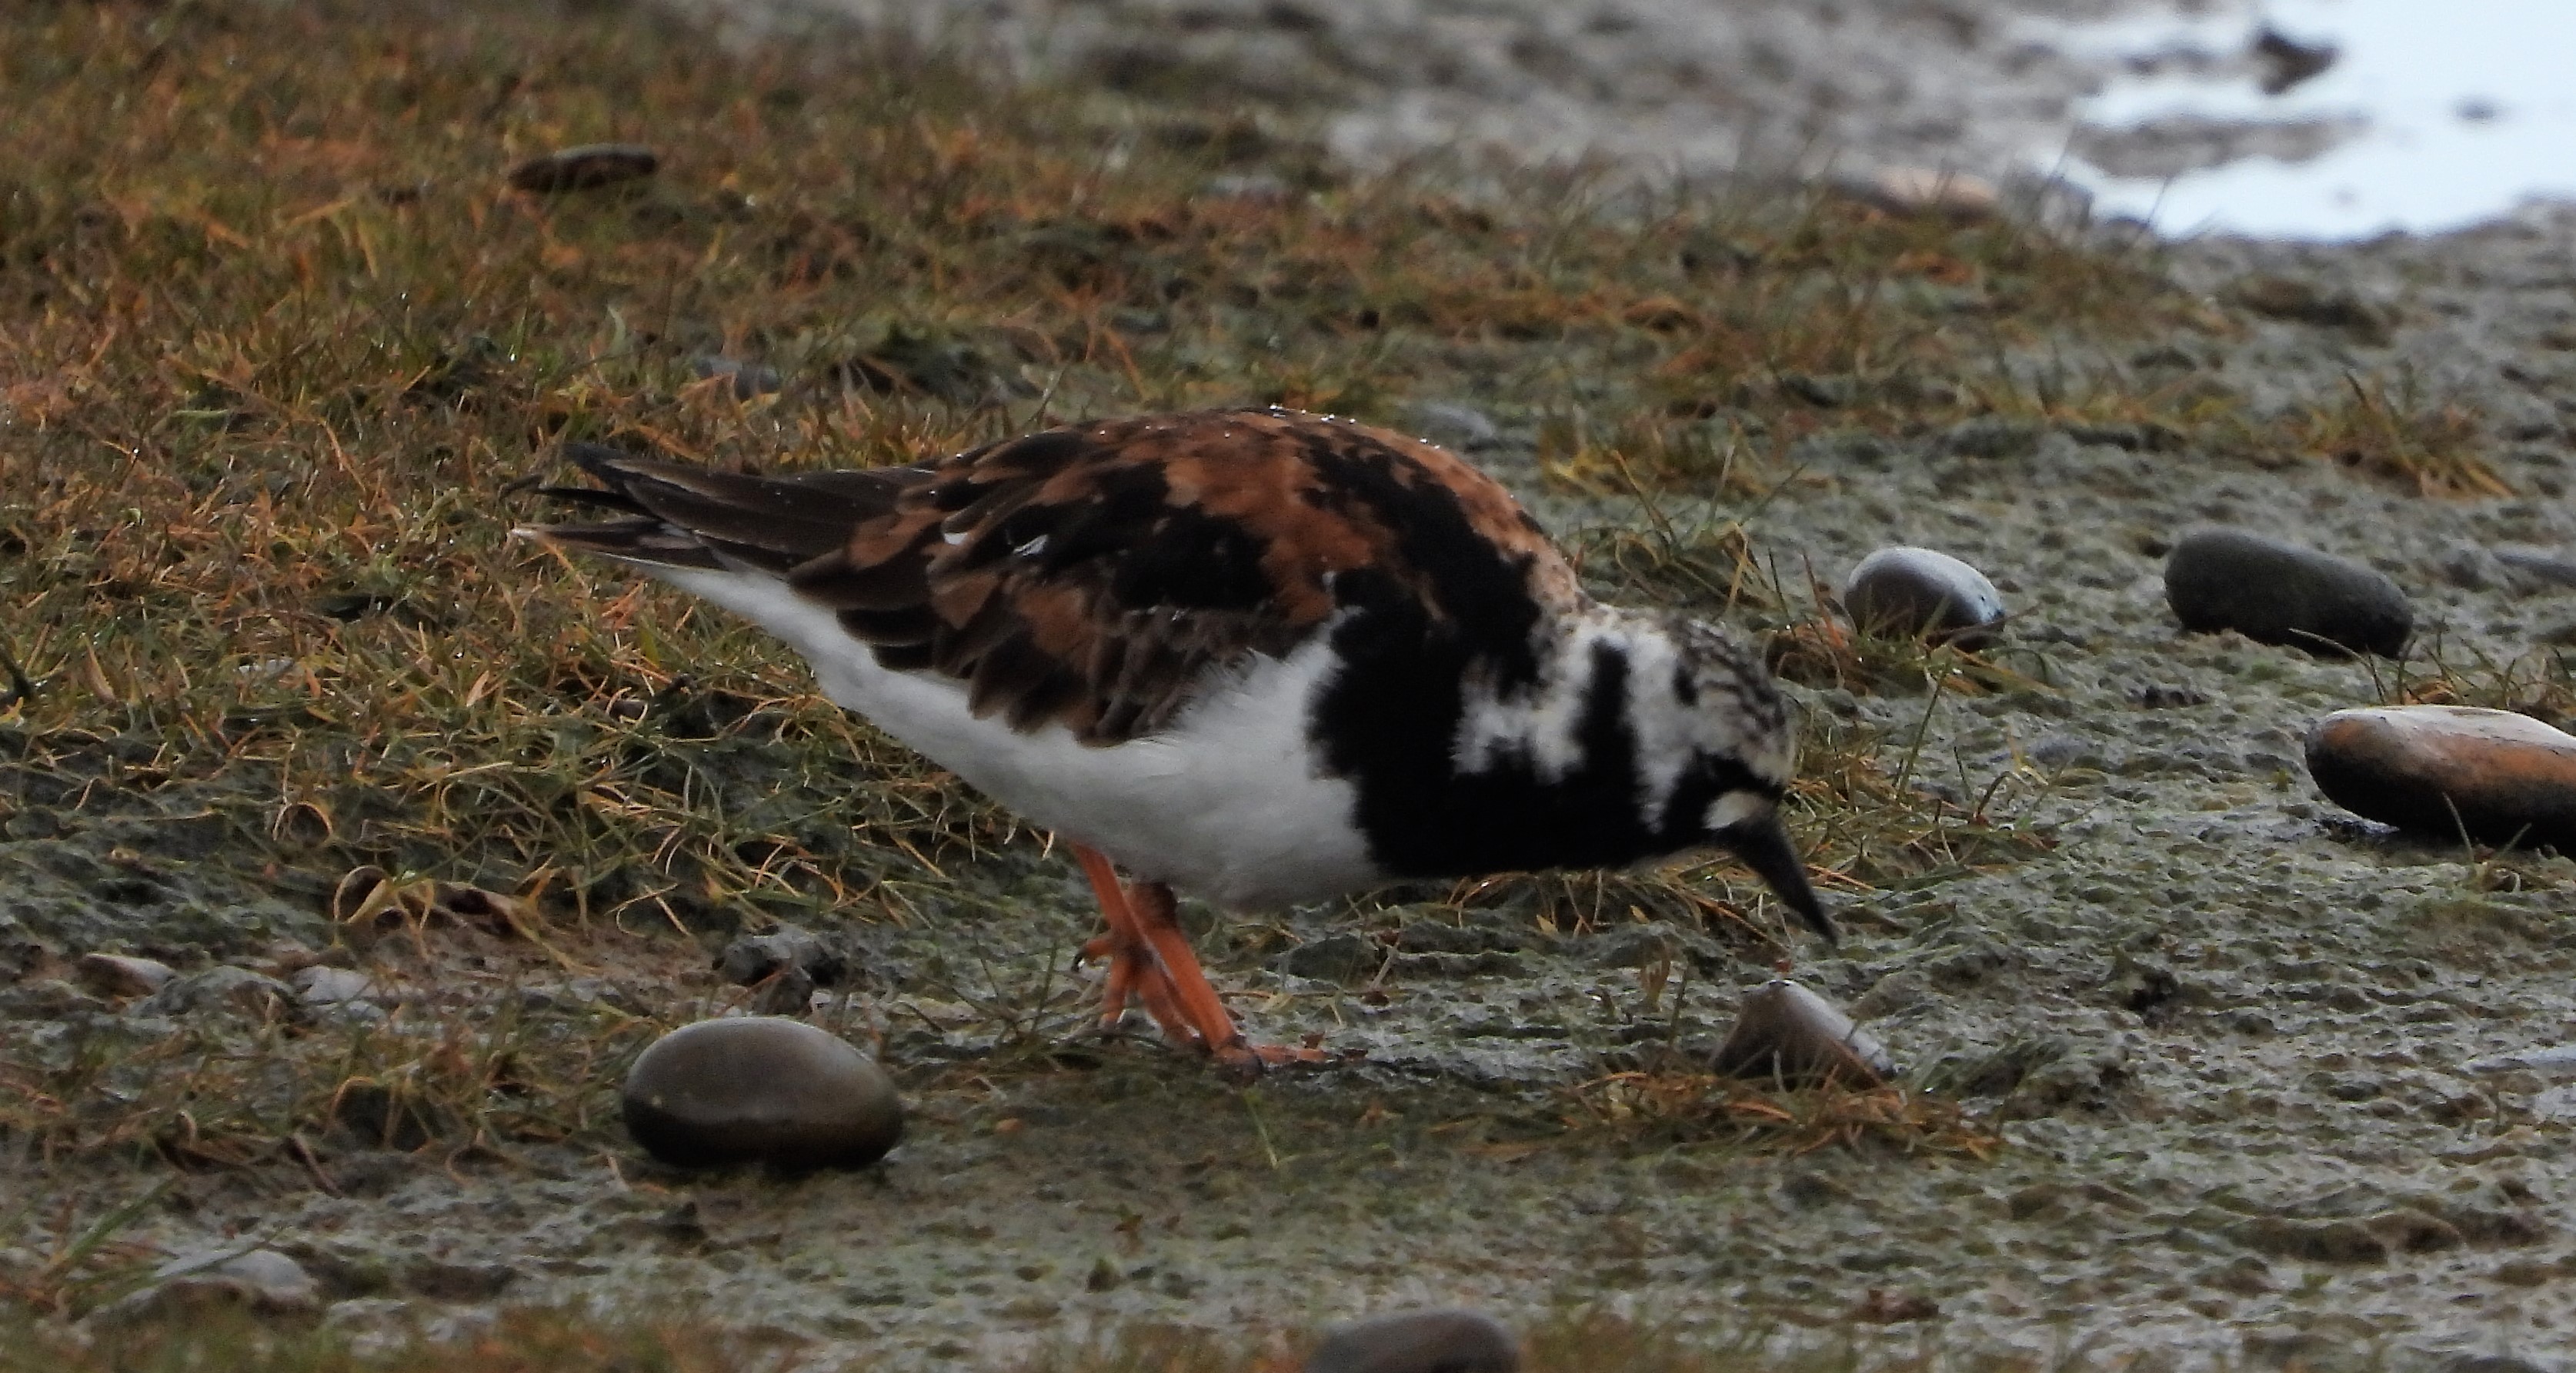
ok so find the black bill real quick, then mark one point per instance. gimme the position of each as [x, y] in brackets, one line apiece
[1763, 844]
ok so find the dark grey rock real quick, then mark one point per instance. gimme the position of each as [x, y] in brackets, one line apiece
[787, 964]
[1907, 592]
[2275, 592]
[588, 167]
[756, 956]
[1334, 958]
[2491, 1363]
[1418, 1342]
[760, 1089]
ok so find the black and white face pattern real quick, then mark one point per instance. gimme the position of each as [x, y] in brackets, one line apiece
[1631, 737]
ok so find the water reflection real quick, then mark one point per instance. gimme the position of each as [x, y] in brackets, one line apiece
[2428, 116]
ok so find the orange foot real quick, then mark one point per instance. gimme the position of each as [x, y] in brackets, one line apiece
[1150, 962]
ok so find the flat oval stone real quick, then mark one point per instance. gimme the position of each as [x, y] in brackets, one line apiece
[1784, 1031]
[2506, 778]
[1916, 592]
[584, 168]
[760, 1089]
[116, 974]
[2275, 592]
[1418, 1342]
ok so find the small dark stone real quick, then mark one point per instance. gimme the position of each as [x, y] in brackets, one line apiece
[116, 974]
[1334, 958]
[2304, 302]
[2441, 770]
[2280, 593]
[754, 957]
[587, 167]
[1418, 1342]
[1993, 436]
[759, 1089]
[786, 964]
[1907, 592]
[2490, 1363]
[2287, 62]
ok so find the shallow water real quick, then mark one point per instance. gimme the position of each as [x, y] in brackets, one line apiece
[2431, 117]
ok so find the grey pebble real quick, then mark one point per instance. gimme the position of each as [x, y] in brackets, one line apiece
[1418, 1342]
[116, 974]
[2276, 592]
[1916, 591]
[261, 1280]
[749, 378]
[584, 168]
[1460, 427]
[786, 963]
[2556, 1059]
[217, 989]
[1786, 1032]
[325, 986]
[760, 1089]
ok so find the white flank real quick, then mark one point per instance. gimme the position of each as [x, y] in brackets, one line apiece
[1225, 804]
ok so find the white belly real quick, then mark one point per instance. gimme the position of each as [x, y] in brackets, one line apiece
[1224, 804]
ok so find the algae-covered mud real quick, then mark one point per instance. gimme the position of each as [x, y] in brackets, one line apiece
[436, 834]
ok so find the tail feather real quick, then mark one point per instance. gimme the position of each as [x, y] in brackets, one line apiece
[683, 516]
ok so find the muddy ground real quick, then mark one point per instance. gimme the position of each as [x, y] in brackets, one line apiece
[2222, 1030]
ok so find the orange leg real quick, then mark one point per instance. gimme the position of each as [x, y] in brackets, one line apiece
[1150, 959]
[1133, 968]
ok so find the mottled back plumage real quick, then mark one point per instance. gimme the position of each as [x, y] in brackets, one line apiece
[1093, 576]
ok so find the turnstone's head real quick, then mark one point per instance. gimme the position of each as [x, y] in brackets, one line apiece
[1716, 751]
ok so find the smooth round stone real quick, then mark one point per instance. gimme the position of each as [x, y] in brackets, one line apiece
[760, 1089]
[1786, 1033]
[2417, 767]
[1418, 1342]
[2280, 593]
[584, 168]
[1915, 592]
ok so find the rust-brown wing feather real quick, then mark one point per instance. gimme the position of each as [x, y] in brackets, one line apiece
[1097, 575]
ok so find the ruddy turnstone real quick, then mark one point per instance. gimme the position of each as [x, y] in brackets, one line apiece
[1259, 656]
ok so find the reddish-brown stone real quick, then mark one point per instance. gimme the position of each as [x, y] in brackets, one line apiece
[2499, 777]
